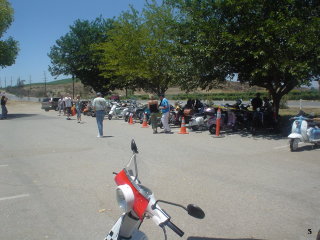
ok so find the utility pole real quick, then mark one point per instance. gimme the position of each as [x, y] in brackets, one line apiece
[72, 86]
[5, 82]
[45, 84]
[11, 81]
[29, 87]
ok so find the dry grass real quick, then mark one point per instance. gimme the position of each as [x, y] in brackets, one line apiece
[294, 111]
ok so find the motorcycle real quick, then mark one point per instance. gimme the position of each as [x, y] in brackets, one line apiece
[228, 121]
[198, 122]
[242, 114]
[117, 110]
[264, 118]
[305, 130]
[137, 203]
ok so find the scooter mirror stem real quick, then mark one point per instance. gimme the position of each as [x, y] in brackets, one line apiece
[171, 203]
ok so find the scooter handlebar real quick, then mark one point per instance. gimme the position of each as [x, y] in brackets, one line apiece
[174, 228]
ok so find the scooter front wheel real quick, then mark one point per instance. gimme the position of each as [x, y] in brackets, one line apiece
[212, 129]
[195, 127]
[138, 235]
[109, 116]
[294, 144]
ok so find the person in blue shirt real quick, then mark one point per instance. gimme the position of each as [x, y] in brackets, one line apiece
[165, 109]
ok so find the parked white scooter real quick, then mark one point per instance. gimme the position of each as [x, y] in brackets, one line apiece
[138, 202]
[303, 130]
[117, 111]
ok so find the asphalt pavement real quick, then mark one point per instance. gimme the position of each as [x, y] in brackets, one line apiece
[56, 180]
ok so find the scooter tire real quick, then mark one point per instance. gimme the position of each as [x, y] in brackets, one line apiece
[195, 128]
[294, 144]
[138, 235]
[212, 129]
[109, 116]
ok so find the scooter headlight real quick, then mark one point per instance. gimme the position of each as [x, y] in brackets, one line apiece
[125, 197]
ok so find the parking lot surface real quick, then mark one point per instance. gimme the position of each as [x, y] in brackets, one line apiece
[56, 180]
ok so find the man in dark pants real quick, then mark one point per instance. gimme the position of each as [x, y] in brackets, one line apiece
[256, 102]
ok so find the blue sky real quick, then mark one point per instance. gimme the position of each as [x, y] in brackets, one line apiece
[39, 23]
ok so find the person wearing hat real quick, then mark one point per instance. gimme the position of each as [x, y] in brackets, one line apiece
[99, 105]
[165, 109]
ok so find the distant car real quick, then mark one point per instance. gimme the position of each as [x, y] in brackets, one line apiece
[49, 104]
[115, 97]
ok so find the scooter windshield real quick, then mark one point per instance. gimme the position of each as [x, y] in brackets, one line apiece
[130, 176]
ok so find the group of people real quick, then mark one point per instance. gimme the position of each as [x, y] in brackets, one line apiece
[66, 103]
[99, 105]
[155, 108]
[257, 102]
[4, 110]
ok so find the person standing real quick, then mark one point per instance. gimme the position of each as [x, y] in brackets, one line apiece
[4, 109]
[99, 105]
[68, 104]
[165, 109]
[78, 108]
[256, 102]
[60, 105]
[154, 111]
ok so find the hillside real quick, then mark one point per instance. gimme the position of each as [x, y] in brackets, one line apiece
[65, 86]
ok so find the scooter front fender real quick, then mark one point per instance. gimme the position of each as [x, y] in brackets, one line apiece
[295, 135]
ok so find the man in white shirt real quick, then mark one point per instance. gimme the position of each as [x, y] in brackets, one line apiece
[99, 105]
[68, 103]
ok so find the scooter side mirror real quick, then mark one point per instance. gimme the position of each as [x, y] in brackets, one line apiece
[195, 211]
[134, 146]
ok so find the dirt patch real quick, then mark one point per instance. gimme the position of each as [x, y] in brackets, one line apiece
[23, 107]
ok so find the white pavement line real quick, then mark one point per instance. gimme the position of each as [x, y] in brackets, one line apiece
[14, 197]
[4, 165]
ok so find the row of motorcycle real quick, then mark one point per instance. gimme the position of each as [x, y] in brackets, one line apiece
[124, 110]
[199, 116]
[234, 117]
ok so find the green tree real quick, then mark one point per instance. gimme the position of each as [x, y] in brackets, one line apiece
[271, 44]
[72, 54]
[139, 52]
[9, 47]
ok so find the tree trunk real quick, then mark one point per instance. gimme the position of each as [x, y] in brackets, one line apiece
[276, 103]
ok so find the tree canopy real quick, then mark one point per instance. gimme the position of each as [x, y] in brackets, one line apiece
[271, 44]
[72, 54]
[196, 44]
[139, 51]
[9, 47]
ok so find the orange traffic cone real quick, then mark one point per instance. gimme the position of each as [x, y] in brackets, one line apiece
[183, 129]
[130, 120]
[144, 123]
